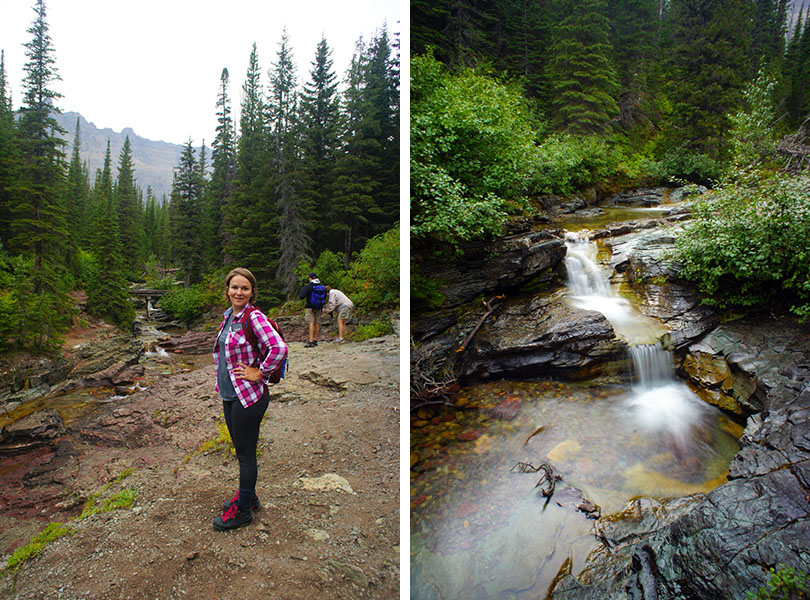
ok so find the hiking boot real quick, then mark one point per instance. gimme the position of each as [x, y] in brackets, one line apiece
[257, 506]
[233, 518]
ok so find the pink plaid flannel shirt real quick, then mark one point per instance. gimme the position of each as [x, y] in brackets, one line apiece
[238, 349]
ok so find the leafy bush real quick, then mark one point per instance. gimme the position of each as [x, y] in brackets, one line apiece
[472, 149]
[784, 584]
[185, 305]
[750, 242]
[329, 267]
[566, 163]
[685, 164]
[374, 277]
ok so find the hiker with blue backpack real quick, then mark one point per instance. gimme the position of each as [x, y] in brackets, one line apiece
[249, 353]
[314, 295]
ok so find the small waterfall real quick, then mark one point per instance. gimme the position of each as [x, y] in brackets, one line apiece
[659, 403]
[653, 365]
[585, 277]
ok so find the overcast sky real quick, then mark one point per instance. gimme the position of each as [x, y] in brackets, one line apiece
[155, 65]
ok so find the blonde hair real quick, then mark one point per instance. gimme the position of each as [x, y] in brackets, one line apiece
[247, 275]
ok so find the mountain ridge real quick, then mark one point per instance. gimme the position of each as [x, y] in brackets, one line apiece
[153, 160]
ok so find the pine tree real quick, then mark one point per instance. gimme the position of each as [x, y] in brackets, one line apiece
[185, 214]
[38, 225]
[220, 189]
[320, 121]
[293, 239]
[9, 156]
[77, 195]
[707, 65]
[584, 82]
[251, 217]
[130, 217]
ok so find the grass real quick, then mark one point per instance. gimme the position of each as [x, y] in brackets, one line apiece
[122, 499]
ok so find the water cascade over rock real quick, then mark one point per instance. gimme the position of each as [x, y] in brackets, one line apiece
[659, 404]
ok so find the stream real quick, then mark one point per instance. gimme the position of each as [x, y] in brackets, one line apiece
[75, 403]
[482, 525]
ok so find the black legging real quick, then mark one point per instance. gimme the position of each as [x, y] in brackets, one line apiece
[243, 425]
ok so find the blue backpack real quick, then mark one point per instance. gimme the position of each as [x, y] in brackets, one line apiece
[317, 297]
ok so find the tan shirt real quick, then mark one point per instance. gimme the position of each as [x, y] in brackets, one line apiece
[336, 300]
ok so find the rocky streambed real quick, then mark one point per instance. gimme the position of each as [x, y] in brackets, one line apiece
[715, 542]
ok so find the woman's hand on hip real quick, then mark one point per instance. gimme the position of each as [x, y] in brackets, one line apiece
[242, 371]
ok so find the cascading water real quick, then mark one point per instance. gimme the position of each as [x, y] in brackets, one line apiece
[659, 404]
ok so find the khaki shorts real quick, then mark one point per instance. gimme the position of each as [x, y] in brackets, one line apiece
[313, 315]
[345, 313]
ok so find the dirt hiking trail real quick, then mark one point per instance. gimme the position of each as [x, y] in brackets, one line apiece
[328, 482]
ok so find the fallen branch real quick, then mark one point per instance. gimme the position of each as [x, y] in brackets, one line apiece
[490, 310]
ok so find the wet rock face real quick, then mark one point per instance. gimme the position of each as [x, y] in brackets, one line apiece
[644, 258]
[741, 363]
[536, 337]
[504, 263]
[31, 378]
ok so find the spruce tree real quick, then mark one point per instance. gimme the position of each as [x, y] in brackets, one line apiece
[634, 27]
[38, 225]
[522, 49]
[9, 156]
[185, 214]
[356, 183]
[293, 239]
[584, 82]
[219, 192]
[107, 293]
[77, 195]
[250, 219]
[130, 217]
[366, 200]
[320, 128]
[707, 63]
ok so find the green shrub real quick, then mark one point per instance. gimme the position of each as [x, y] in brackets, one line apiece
[566, 163]
[185, 305]
[472, 151]
[374, 277]
[329, 267]
[749, 243]
[784, 584]
[688, 165]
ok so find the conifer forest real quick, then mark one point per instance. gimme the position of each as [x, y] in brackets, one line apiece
[307, 178]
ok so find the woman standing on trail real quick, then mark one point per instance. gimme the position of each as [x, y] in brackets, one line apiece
[242, 371]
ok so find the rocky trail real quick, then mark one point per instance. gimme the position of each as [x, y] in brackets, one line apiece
[328, 482]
